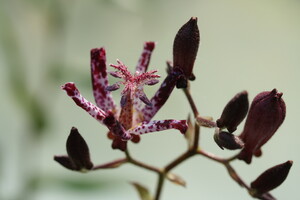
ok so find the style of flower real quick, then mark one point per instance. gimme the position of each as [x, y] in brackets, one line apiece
[133, 118]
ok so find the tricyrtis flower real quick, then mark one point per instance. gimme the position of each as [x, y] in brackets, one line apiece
[265, 116]
[133, 118]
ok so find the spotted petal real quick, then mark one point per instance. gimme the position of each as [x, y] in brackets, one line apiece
[93, 110]
[106, 118]
[144, 60]
[161, 96]
[102, 96]
[159, 125]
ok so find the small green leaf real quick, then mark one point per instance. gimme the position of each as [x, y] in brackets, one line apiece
[143, 192]
[176, 179]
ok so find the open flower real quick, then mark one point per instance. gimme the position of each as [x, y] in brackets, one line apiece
[133, 118]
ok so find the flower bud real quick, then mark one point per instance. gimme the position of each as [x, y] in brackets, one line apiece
[78, 150]
[271, 178]
[185, 50]
[234, 112]
[78, 158]
[228, 141]
[265, 116]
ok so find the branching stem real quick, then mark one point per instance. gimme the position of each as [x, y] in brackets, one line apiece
[193, 150]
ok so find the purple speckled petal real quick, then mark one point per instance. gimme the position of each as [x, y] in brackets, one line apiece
[144, 60]
[102, 96]
[106, 118]
[93, 110]
[161, 96]
[159, 125]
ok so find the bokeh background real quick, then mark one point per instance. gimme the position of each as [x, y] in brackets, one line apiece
[245, 45]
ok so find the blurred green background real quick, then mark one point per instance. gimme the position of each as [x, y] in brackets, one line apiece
[245, 45]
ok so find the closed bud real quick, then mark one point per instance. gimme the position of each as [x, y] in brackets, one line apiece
[270, 179]
[228, 141]
[78, 158]
[78, 150]
[266, 114]
[185, 50]
[234, 112]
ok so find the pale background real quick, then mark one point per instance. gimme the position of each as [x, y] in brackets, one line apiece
[245, 45]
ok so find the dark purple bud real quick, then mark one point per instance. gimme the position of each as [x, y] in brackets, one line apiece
[266, 114]
[234, 112]
[185, 50]
[112, 87]
[78, 151]
[228, 141]
[270, 179]
[66, 162]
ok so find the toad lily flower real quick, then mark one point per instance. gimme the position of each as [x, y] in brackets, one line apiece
[134, 116]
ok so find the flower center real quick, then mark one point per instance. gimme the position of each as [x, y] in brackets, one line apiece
[133, 94]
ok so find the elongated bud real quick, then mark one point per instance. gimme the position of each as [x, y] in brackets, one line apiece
[78, 158]
[228, 141]
[266, 114]
[271, 178]
[78, 150]
[234, 112]
[185, 50]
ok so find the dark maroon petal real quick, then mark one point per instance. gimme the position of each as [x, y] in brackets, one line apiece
[66, 162]
[162, 95]
[115, 127]
[78, 150]
[266, 114]
[234, 112]
[228, 141]
[271, 178]
[185, 50]
[102, 96]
